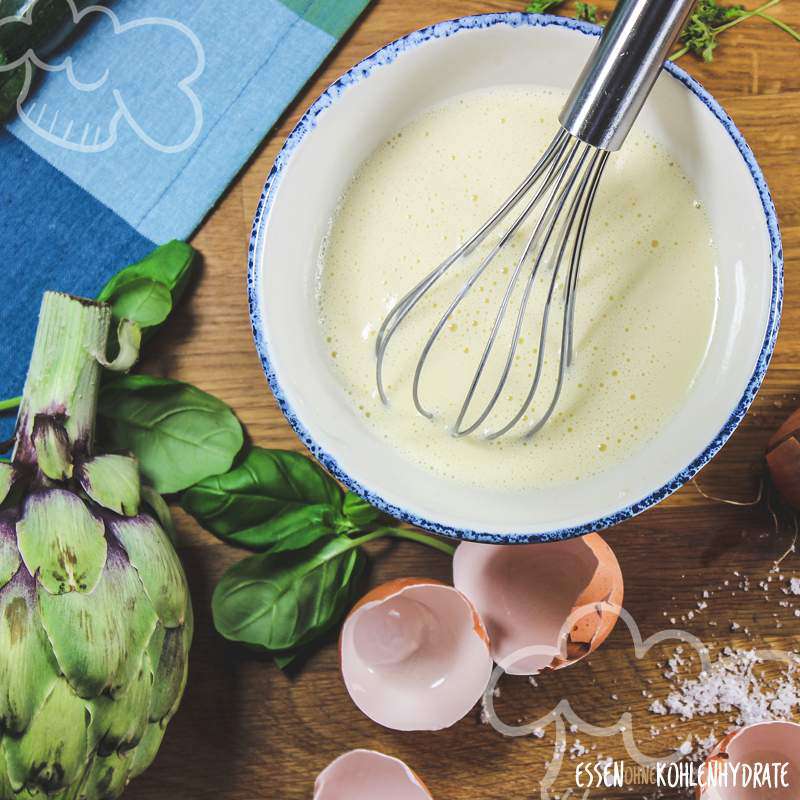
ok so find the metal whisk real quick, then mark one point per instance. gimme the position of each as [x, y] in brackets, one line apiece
[560, 189]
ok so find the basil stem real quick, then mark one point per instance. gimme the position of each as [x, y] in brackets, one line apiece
[411, 536]
[10, 404]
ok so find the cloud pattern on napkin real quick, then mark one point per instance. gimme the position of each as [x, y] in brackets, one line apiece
[104, 91]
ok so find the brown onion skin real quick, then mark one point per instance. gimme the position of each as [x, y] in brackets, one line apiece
[783, 460]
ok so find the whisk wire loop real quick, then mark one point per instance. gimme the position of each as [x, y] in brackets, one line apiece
[545, 225]
[560, 189]
[552, 179]
[580, 208]
[407, 303]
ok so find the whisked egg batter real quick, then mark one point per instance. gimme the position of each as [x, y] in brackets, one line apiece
[646, 299]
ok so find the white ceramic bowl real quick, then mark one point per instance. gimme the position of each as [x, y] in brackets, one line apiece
[370, 103]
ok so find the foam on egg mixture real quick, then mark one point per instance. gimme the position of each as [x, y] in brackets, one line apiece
[646, 301]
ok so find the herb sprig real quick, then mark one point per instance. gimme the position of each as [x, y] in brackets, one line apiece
[305, 532]
[701, 33]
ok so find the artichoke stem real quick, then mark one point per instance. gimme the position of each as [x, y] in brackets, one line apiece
[63, 375]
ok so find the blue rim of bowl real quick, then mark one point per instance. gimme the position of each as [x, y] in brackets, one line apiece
[387, 55]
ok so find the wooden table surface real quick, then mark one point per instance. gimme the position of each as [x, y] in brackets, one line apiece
[248, 731]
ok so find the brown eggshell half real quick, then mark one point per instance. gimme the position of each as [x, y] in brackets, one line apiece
[367, 775]
[545, 606]
[415, 655]
[763, 743]
[783, 460]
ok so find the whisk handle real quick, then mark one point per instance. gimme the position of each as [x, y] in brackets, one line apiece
[621, 71]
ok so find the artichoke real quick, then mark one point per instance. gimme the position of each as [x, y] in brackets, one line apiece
[95, 615]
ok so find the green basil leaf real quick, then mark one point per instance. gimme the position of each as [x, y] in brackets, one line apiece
[266, 501]
[284, 660]
[142, 300]
[284, 600]
[359, 512]
[136, 290]
[180, 435]
[170, 264]
[292, 530]
[12, 82]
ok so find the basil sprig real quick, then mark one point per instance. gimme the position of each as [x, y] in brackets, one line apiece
[306, 532]
[147, 291]
[276, 500]
[273, 500]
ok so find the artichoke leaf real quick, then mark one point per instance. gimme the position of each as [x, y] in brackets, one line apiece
[107, 777]
[155, 560]
[43, 758]
[28, 669]
[158, 505]
[7, 477]
[61, 542]
[112, 481]
[6, 789]
[99, 640]
[51, 442]
[9, 555]
[169, 673]
[129, 343]
[145, 753]
[118, 723]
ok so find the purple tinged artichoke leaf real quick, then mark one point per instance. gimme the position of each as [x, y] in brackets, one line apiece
[156, 562]
[52, 446]
[7, 476]
[44, 759]
[61, 542]
[9, 555]
[28, 669]
[112, 481]
[99, 639]
[118, 723]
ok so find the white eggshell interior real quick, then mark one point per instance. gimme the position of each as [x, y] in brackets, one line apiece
[525, 594]
[368, 775]
[414, 660]
[767, 743]
[368, 112]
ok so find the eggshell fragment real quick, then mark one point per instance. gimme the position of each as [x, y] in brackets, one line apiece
[762, 744]
[544, 605]
[783, 460]
[366, 775]
[415, 655]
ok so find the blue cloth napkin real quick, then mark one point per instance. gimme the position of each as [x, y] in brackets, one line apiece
[128, 137]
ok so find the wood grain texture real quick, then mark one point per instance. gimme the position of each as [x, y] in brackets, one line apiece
[247, 731]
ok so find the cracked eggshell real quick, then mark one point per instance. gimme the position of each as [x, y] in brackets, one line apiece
[763, 743]
[545, 606]
[415, 655]
[367, 774]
